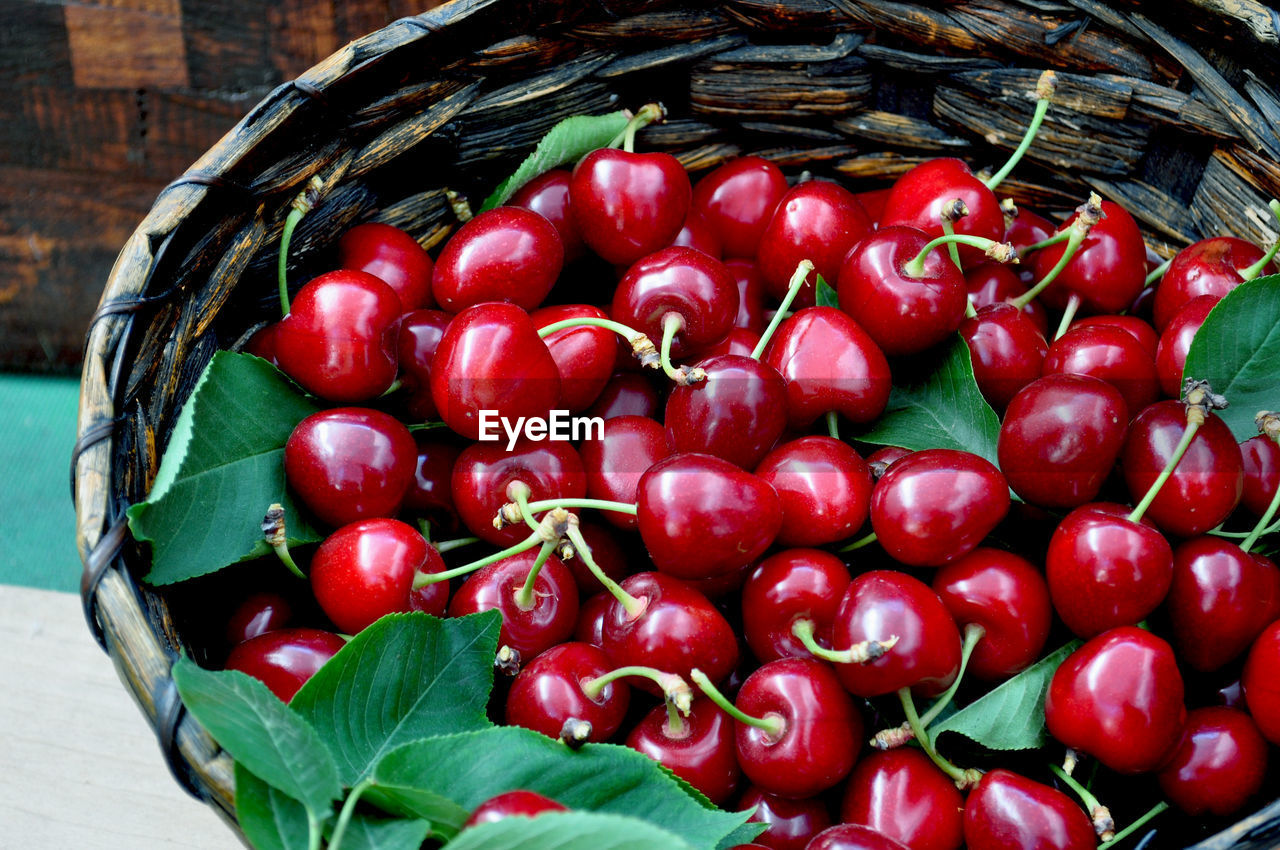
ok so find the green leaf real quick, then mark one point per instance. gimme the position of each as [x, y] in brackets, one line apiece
[444, 815]
[269, 738]
[1237, 350]
[827, 296]
[568, 141]
[937, 405]
[407, 676]
[370, 833]
[221, 471]
[472, 767]
[1011, 715]
[269, 819]
[570, 831]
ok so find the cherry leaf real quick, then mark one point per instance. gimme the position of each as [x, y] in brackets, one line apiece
[269, 818]
[826, 296]
[570, 831]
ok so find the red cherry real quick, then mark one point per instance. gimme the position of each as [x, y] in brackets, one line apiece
[679, 281]
[339, 339]
[1026, 227]
[791, 585]
[903, 795]
[350, 463]
[817, 221]
[1261, 682]
[625, 394]
[365, 570]
[1107, 272]
[1208, 267]
[1132, 325]
[614, 463]
[872, 202]
[1110, 354]
[529, 628]
[416, 343]
[1261, 459]
[740, 343]
[484, 472]
[626, 204]
[699, 235]
[523, 804]
[431, 598]
[548, 196]
[1010, 812]
[259, 613]
[824, 487]
[738, 413]
[430, 494]
[919, 196]
[791, 823]
[606, 551]
[936, 505]
[1175, 342]
[1006, 349]
[746, 274]
[1119, 698]
[583, 354]
[700, 752]
[996, 283]
[392, 256]
[263, 343]
[1218, 765]
[737, 200]
[548, 691]
[853, 836]
[503, 254]
[285, 659]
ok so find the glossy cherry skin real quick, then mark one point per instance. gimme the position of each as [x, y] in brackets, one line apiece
[416, 343]
[491, 358]
[626, 394]
[1218, 765]
[919, 196]
[1119, 699]
[1105, 570]
[1136, 327]
[259, 613]
[996, 283]
[737, 200]
[881, 604]
[503, 254]
[701, 516]
[1110, 354]
[817, 221]
[1107, 272]
[615, 463]
[740, 342]
[285, 659]
[365, 570]
[483, 473]
[392, 256]
[1006, 811]
[821, 728]
[1175, 342]
[738, 413]
[1006, 349]
[548, 691]
[520, 804]
[584, 355]
[683, 281]
[1208, 267]
[934, 506]
[1261, 682]
[791, 585]
[829, 363]
[531, 631]
[432, 598]
[902, 312]
[824, 486]
[1220, 600]
[901, 794]
[1206, 485]
[626, 204]
[1261, 459]
[350, 463]
[590, 625]
[700, 752]
[697, 233]
[1008, 597]
[548, 196]
[1026, 227]
[791, 823]
[430, 494]
[339, 339]
[1060, 438]
[678, 630]
[853, 836]
[746, 274]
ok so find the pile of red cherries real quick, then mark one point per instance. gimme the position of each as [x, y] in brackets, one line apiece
[691, 578]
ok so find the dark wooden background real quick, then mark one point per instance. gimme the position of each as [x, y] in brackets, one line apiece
[103, 103]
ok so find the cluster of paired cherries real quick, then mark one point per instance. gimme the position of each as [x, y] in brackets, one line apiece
[750, 645]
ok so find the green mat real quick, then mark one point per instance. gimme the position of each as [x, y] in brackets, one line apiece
[37, 525]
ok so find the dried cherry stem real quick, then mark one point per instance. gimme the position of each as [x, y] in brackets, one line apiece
[1068, 315]
[1001, 252]
[859, 653]
[517, 509]
[1155, 810]
[963, 777]
[859, 543]
[1089, 214]
[973, 633]
[298, 208]
[773, 724]
[951, 213]
[526, 599]
[1100, 815]
[1199, 399]
[650, 113]
[672, 324]
[1269, 425]
[642, 348]
[891, 739]
[633, 606]
[675, 690]
[1250, 272]
[1045, 88]
[273, 531]
[793, 289]
[1157, 273]
[833, 424]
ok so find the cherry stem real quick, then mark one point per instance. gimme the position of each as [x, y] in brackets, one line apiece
[1099, 815]
[859, 653]
[969, 311]
[424, 579]
[525, 599]
[1045, 87]
[672, 324]
[833, 424]
[273, 531]
[648, 114]
[348, 809]
[1155, 810]
[958, 208]
[963, 778]
[1001, 252]
[457, 543]
[675, 690]
[1090, 213]
[793, 289]
[313, 830]
[1157, 273]
[1069, 314]
[1055, 239]
[520, 492]
[1269, 424]
[859, 543]
[772, 724]
[973, 633]
[1199, 399]
[596, 504]
[1254, 270]
[298, 208]
[642, 348]
[633, 606]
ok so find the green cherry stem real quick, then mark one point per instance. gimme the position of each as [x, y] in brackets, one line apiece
[650, 113]
[642, 348]
[1045, 88]
[951, 213]
[1068, 315]
[273, 531]
[964, 778]
[675, 690]
[424, 579]
[1103, 824]
[525, 597]
[1157, 273]
[1199, 400]
[314, 834]
[1269, 424]
[833, 424]
[348, 809]
[859, 543]
[772, 724]
[1055, 239]
[633, 606]
[1001, 252]
[1256, 269]
[859, 653]
[519, 493]
[1155, 810]
[672, 324]
[579, 504]
[1090, 213]
[972, 634]
[969, 311]
[457, 543]
[298, 208]
[793, 289]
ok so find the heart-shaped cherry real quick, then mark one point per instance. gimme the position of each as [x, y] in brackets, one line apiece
[549, 691]
[682, 283]
[817, 221]
[532, 622]
[791, 585]
[365, 570]
[1007, 811]
[902, 794]
[392, 256]
[737, 200]
[584, 354]
[1219, 764]
[628, 204]
[698, 747]
[824, 486]
[737, 413]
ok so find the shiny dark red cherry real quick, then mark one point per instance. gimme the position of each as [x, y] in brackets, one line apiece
[431, 598]
[1006, 349]
[1107, 272]
[1220, 600]
[1104, 570]
[491, 359]
[903, 795]
[626, 394]
[936, 505]
[584, 354]
[872, 202]
[824, 486]
[590, 625]
[1219, 764]
[1261, 459]
[882, 604]
[430, 494]
[350, 463]
[260, 612]
[284, 659]
[548, 691]
[737, 413]
[701, 516]
[1175, 342]
[521, 804]
[628, 446]
[1006, 811]
[746, 274]
[919, 196]
[503, 254]
[1006, 595]
[1111, 354]
[996, 283]
[548, 196]
[791, 823]
[1261, 682]
[1135, 326]
[1026, 227]
[740, 342]
[627, 204]
[1060, 438]
[1206, 485]
[737, 200]
[365, 570]
[608, 553]
[416, 343]
[818, 221]
[700, 751]
[829, 363]
[392, 256]
[698, 234]
[853, 836]
[1208, 267]
[339, 339]
[530, 626]
[791, 585]
[683, 282]
[484, 472]
[1119, 699]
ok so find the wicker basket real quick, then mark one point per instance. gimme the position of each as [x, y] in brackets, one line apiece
[1170, 108]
